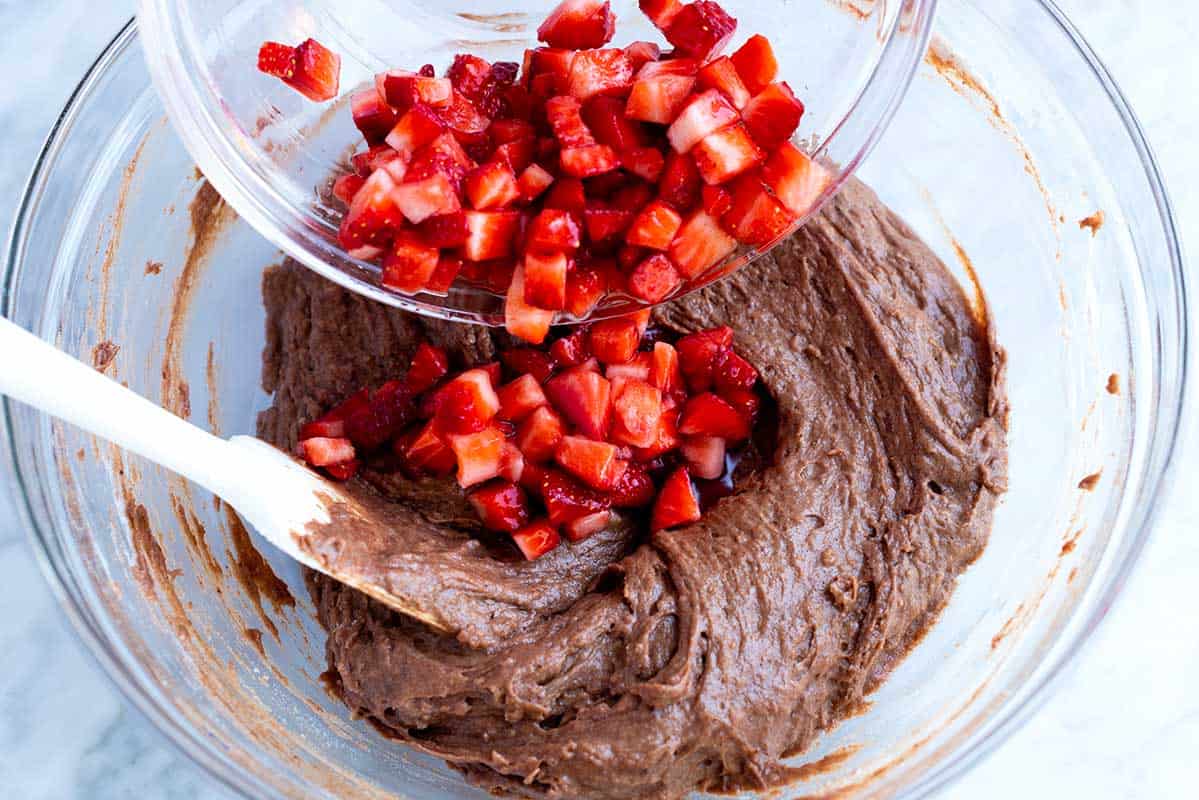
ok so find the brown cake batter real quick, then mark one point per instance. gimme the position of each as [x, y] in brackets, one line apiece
[626, 668]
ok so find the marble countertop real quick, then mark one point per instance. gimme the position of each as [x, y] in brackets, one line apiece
[66, 733]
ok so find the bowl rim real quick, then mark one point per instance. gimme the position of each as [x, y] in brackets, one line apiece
[188, 743]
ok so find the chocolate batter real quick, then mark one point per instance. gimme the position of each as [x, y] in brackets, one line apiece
[625, 668]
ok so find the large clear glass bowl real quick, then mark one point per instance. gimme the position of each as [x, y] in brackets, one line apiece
[270, 151]
[993, 158]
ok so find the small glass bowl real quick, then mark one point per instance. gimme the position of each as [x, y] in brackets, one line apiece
[271, 153]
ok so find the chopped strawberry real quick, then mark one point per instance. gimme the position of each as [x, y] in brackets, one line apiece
[539, 434]
[698, 353]
[655, 227]
[444, 230]
[501, 506]
[565, 115]
[545, 279]
[646, 163]
[732, 373]
[552, 66]
[700, 245]
[529, 360]
[573, 350]
[403, 89]
[512, 463]
[468, 403]
[312, 69]
[705, 114]
[635, 489]
[418, 127]
[343, 471]
[614, 341]
[589, 160]
[533, 182]
[567, 194]
[321, 451]
[553, 230]
[755, 218]
[721, 74]
[504, 131]
[382, 417]
[660, 90]
[597, 464]
[756, 63]
[461, 116]
[585, 527]
[681, 184]
[605, 118]
[346, 186]
[637, 367]
[715, 200]
[664, 370]
[420, 199]
[654, 279]
[578, 24]
[536, 540]
[373, 215]
[325, 428]
[704, 456]
[700, 30]
[428, 452]
[479, 455]
[724, 155]
[518, 154]
[409, 263]
[606, 223]
[469, 75]
[493, 185]
[641, 53]
[373, 117]
[429, 365]
[277, 60]
[632, 196]
[773, 115]
[637, 411]
[490, 234]
[584, 398]
[661, 12]
[639, 318]
[795, 179]
[600, 72]
[521, 398]
[708, 415]
[567, 500]
[745, 401]
[667, 439]
[584, 289]
[677, 503]
[522, 320]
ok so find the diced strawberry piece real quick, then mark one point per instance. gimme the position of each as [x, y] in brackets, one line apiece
[494, 370]
[606, 223]
[698, 353]
[677, 502]
[795, 179]
[704, 456]
[704, 115]
[773, 115]
[512, 463]
[667, 438]
[654, 279]
[584, 398]
[644, 162]
[354, 404]
[343, 471]
[373, 216]
[715, 200]
[276, 59]
[404, 89]
[638, 367]
[322, 451]
[605, 118]
[680, 185]
[586, 527]
[429, 453]
[444, 230]
[525, 322]
[420, 199]
[501, 506]
[660, 12]
[539, 434]
[745, 401]
[382, 417]
[429, 365]
[732, 373]
[700, 245]
[633, 197]
[708, 415]
[664, 370]
[578, 24]
[640, 318]
[724, 155]
[552, 66]
[614, 341]
[461, 116]
[373, 117]
[636, 413]
[565, 115]
[490, 234]
[660, 92]
[418, 127]
[371, 160]
[519, 154]
[468, 403]
[529, 360]
[409, 263]
[469, 75]
[346, 186]
[435, 159]
[479, 455]
[700, 30]
[587, 161]
[641, 53]
[567, 500]
[533, 182]
[536, 540]
[756, 63]
[443, 277]
[521, 398]
[553, 230]
[597, 464]
[585, 287]
[504, 131]
[655, 227]
[721, 74]
[635, 489]
[315, 71]
[600, 72]
[492, 185]
[323, 428]
[567, 194]
[545, 279]
[755, 218]
[573, 350]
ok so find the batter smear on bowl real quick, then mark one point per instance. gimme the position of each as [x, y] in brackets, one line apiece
[636, 664]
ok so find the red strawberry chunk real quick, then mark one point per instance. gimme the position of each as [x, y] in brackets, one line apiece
[444, 230]
[698, 353]
[372, 116]
[525, 322]
[545, 279]
[715, 200]
[703, 115]
[660, 12]
[700, 245]
[409, 263]
[724, 155]
[492, 185]
[429, 365]
[660, 91]
[756, 63]
[755, 218]
[721, 74]
[578, 24]
[708, 415]
[584, 289]
[521, 398]
[597, 464]
[731, 373]
[322, 451]
[522, 360]
[479, 455]
[373, 215]
[504, 131]
[539, 434]
[667, 439]
[584, 398]
[646, 163]
[490, 234]
[512, 463]
[533, 182]
[655, 227]
[404, 89]
[589, 160]
[469, 75]
[635, 489]
[315, 71]
[704, 456]
[381, 418]
[585, 527]
[346, 186]
[276, 59]
[343, 471]
[567, 500]
[700, 30]
[654, 279]
[614, 341]
[573, 350]
[637, 412]
[680, 185]
[418, 127]
[519, 154]
[773, 115]
[795, 179]
[462, 117]
[428, 452]
[536, 540]
[553, 230]
[600, 72]
[468, 403]
[567, 194]
[677, 503]
[549, 66]
[664, 369]
[637, 367]
[606, 223]
[323, 428]
[605, 117]
[632, 196]
[745, 401]
[565, 115]
[641, 53]
[420, 199]
[501, 506]
[443, 277]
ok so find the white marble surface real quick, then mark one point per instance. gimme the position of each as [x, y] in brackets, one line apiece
[65, 733]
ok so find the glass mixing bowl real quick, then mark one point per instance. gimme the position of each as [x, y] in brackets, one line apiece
[123, 255]
[270, 152]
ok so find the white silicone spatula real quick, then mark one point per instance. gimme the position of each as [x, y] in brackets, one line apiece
[276, 494]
